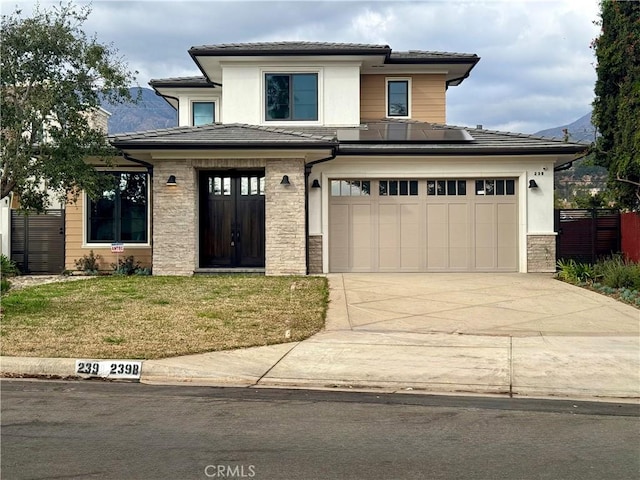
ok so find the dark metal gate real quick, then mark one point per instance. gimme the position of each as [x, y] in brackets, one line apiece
[37, 241]
[585, 235]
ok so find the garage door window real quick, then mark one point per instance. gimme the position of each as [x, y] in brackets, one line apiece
[350, 188]
[495, 187]
[446, 187]
[398, 188]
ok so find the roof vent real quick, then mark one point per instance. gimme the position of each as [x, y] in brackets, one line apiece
[479, 126]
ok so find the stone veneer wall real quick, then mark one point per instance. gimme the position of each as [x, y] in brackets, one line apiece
[175, 220]
[175, 214]
[541, 253]
[285, 218]
[315, 253]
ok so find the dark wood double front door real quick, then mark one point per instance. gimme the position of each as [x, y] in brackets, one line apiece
[232, 228]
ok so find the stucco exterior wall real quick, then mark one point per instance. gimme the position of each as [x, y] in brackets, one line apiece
[187, 97]
[338, 93]
[285, 235]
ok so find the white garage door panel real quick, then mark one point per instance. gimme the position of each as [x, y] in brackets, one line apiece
[410, 245]
[455, 227]
[361, 232]
[339, 234]
[507, 237]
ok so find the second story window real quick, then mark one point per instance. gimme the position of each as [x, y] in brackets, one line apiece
[397, 98]
[291, 96]
[203, 113]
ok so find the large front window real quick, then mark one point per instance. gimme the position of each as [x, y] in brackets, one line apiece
[291, 96]
[120, 214]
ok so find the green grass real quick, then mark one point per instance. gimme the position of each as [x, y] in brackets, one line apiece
[154, 317]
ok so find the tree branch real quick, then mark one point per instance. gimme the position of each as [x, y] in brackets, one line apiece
[637, 184]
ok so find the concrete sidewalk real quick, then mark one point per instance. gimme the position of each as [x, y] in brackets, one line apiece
[516, 334]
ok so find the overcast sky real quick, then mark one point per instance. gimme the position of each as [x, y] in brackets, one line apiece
[536, 69]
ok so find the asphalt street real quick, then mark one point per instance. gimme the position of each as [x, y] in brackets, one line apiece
[91, 429]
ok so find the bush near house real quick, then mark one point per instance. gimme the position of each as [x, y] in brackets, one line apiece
[8, 268]
[614, 276]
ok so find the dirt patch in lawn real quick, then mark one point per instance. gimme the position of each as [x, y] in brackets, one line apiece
[155, 317]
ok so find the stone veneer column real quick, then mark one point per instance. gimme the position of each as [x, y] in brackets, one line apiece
[285, 218]
[175, 220]
[315, 254]
[541, 253]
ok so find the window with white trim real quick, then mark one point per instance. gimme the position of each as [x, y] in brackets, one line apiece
[203, 113]
[398, 95]
[291, 96]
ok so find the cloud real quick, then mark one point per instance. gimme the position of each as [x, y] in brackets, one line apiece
[536, 69]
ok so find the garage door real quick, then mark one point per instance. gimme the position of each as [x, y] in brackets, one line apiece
[421, 225]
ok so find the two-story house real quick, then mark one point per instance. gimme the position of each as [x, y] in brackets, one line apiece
[300, 157]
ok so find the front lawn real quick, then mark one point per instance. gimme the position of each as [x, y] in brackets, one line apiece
[154, 317]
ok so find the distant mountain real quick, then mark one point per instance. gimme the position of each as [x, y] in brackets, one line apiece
[150, 113]
[582, 130]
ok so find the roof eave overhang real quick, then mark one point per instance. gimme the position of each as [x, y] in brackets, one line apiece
[195, 52]
[226, 146]
[452, 151]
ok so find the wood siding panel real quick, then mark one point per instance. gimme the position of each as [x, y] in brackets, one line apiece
[428, 97]
[74, 249]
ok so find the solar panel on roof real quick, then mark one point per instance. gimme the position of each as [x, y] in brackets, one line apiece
[402, 133]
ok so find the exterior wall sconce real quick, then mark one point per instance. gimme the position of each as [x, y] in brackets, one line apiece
[285, 180]
[171, 181]
[533, 184]
[315, 184]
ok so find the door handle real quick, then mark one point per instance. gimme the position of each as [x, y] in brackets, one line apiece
[232, 242]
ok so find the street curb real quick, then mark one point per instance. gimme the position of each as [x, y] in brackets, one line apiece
[35, 366]
[159, 374]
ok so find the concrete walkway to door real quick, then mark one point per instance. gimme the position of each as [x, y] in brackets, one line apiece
[515, 334]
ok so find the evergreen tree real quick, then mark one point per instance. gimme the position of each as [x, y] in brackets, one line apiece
[616, 112]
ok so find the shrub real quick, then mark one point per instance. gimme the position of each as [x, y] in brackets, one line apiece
[8, 267]
[616, 272]
[89, 264]
[574, 272]
[128, 266]
[5, 285]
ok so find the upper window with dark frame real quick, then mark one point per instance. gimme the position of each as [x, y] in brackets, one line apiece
[291, 96]
[203, 113]
[120, 214]
[397, 98]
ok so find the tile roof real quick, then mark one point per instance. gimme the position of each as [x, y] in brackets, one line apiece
[219, 135]
[279, 47]
[198, 81]
[430, 55]
[484, 142]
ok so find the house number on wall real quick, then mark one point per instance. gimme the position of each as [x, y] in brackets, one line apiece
[538, 173]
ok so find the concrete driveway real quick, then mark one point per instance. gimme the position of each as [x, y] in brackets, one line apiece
[516, 334]
[502, 304]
